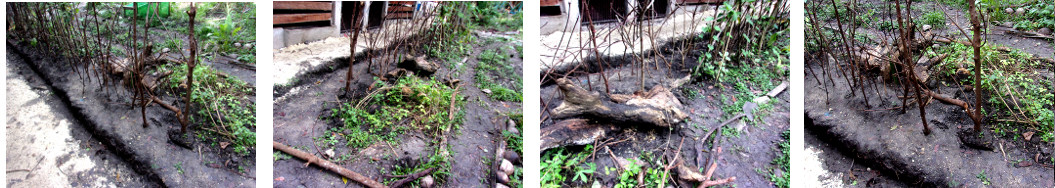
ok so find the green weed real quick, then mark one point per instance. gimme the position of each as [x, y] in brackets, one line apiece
[223, 104]
[935, 19]
[496, 62]
[555, 164]
[982, 177]
[278, 156]
[410, 103]
[1014, 88]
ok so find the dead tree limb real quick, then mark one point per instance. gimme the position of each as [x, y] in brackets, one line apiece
[328, 165]
[659, 111]
[573, 132]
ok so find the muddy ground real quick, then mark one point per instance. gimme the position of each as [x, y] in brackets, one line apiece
[743, 157]
[149, 151]
[894, 142]
[299, 106]
[894, 152]
[47, 147]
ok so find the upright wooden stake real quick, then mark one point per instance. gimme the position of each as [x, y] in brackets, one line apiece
[976, 42]
[356, 23]
[190, 68]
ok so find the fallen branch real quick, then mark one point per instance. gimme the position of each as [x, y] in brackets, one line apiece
[657, 110]
[327, 165]
[572, 132]
[952, 101]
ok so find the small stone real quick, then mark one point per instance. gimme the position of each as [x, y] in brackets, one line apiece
[427, 181]
[1009, 10]
[233, 56]
[238, 45]
[502, 177]
[248, 46]
[1024, 164]
[165, 50]
[507, 167]
[499, 185]
[488, 91]
[1045, 31]
[329, 153]
[512, 127]
[926, 27]
[1020, 11]
[511, 156]
[1009, 24]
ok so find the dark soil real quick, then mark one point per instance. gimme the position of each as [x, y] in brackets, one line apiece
[299, 106]
[847, 167]
[108, 116]
[743, 157]
[893, 142]
[896, 147]
[110, 163]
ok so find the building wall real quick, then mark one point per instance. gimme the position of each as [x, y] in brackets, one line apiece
[289, 36]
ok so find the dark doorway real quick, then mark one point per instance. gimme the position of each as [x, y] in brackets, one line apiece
[349, 11]
[550, 11]
[377, 14]
[601, 11]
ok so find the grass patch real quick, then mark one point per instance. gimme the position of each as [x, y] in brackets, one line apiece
[1016, 90]
[495, 62]
[410, 103]
[222, 102]
[935, 19]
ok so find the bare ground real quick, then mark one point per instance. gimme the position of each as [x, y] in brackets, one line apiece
[151, 152]
[47, 147]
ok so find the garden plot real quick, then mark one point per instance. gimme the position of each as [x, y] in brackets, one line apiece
[929, 138]
[681, 113]
[415, 114]
[102, 85]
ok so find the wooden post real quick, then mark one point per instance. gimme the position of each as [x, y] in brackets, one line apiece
[190, 68]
